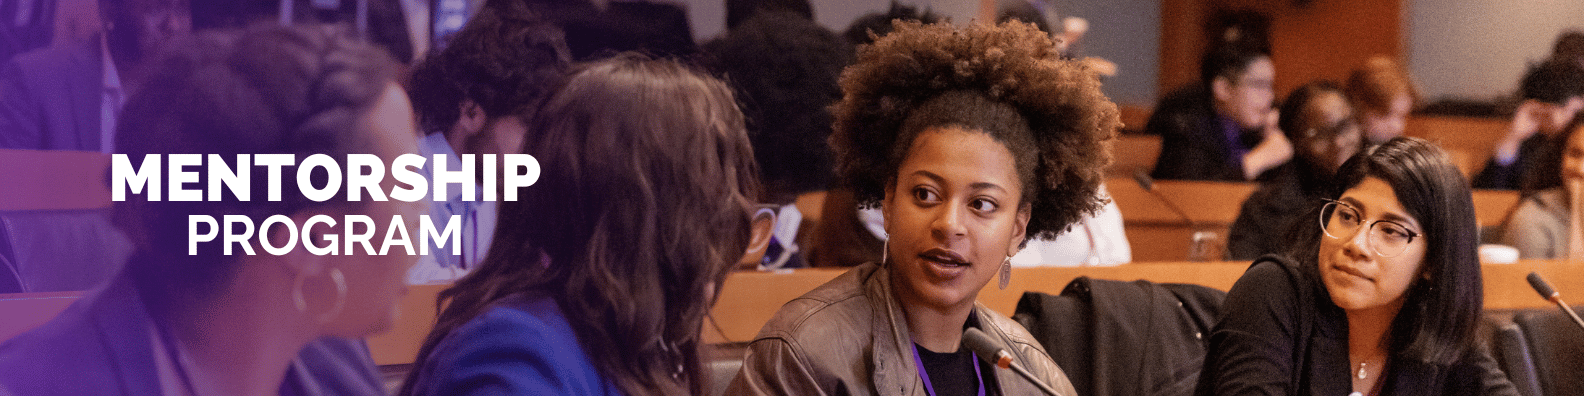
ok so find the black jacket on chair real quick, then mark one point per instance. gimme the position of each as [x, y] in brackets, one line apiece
[1124, 338]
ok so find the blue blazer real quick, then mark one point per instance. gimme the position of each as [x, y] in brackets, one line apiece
[100, 346]
[521, 346]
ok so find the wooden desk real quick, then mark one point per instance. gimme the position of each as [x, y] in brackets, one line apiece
[24, 311]
[1132, 153]
[1473, 137]
[1156, 233]
[745, 297]
[748, 299]
[1491, 206]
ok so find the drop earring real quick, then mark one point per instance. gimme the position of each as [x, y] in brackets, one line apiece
[1006, 272]
[885, 250]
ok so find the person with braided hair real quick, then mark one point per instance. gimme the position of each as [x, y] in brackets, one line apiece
[971, 141]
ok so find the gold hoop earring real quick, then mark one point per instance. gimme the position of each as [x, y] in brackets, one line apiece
[335, 309]
[1006, 272]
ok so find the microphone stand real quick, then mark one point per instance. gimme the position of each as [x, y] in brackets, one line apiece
[1553, 296]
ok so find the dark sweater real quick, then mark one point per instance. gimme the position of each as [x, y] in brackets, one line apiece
[1281, 335]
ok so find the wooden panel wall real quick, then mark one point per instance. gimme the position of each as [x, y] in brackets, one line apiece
[1321, 39]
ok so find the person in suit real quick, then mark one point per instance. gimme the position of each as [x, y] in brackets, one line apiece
[600, 277]
[971, 142]
[203, 322]
[67, 97]
[1382, 295]
[1222, 128]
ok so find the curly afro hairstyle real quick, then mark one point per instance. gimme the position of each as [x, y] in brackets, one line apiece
[1005, 80]
[505, 60]
[784, 68]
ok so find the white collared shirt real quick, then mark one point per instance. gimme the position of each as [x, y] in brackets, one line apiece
[477, 227]
[112, 96]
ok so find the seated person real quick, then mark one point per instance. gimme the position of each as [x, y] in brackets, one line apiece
[1383, 96]
[785, 65]
[469, 96]
[1381, 297]
[209, 323]
[1097, 239]
[1553, 95]
[1543, 226]
[601, 275]
[1324, 133]
[67, 96]
[1222, 128]
[967, 160]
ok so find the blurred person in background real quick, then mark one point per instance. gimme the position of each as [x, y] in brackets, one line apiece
[209, 323]
[1552, 95]
[1545, 223]
[784, 68]
[1223, 128]
[473, 97]
[1324, 132]
[1384, 96]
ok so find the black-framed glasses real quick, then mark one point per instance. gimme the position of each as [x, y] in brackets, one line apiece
[1386, 238]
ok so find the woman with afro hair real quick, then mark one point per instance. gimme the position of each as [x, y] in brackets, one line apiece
[971, 142]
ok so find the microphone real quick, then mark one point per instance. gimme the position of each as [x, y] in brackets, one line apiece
[1148, 184]
[991, 351]
[1551, 295]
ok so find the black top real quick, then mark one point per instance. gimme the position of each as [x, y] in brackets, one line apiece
[1511, 176]
[1193, 146]
[1280, 334]
[952, 373]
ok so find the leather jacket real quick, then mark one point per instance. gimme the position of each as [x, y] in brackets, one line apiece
[848, 337]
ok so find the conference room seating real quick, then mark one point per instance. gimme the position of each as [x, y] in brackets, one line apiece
[1511, 351]
[1556, 345]
[53, 204]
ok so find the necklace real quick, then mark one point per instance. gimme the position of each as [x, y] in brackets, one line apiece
[1363, 373]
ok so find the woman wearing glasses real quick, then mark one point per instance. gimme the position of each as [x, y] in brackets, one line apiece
[1319, 122]
[1382, 297]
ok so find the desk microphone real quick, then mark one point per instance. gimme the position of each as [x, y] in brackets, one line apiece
[1148, 184]
[1551, 295]
[991, 351]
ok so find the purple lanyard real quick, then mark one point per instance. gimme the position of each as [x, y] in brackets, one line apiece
[929, 388]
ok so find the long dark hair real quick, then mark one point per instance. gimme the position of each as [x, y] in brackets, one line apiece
[643, 202]
[1439, 316]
